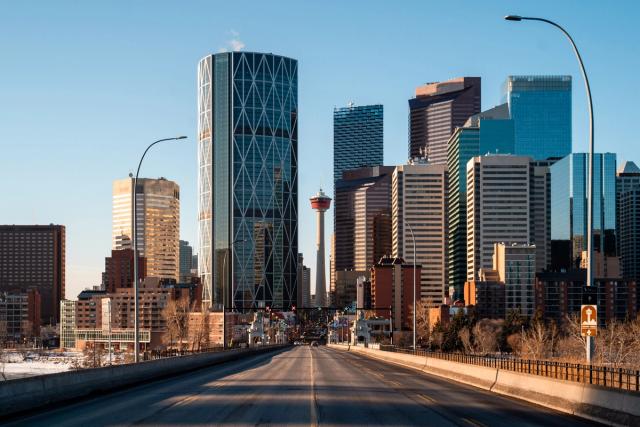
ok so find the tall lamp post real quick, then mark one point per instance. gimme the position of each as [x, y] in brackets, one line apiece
[224, 293]
[413, 237]
[136, 323]
[590, 341]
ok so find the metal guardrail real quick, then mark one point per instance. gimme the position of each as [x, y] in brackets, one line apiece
[620, 378]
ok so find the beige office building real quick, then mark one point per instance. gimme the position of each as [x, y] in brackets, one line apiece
[419, 198]
[498, 207]
[158, 216]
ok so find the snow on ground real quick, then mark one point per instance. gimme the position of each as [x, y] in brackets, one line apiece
[15, 365]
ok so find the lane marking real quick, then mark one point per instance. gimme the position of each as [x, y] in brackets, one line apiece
[427, 398]
[312, 401]
[473, 422]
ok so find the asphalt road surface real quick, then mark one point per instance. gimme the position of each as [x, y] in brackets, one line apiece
[305, 386]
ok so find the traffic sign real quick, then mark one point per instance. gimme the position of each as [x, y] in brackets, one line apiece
[588, 320]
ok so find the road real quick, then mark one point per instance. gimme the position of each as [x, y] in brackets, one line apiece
[305, 386]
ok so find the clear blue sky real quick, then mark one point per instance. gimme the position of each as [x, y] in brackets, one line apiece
[85, 86]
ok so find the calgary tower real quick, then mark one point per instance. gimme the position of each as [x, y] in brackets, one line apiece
[320, 203]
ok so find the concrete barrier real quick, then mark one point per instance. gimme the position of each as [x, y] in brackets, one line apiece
[606, 405]
[24, 394]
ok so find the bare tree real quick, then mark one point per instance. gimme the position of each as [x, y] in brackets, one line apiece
[199, 333]
[465, 337]
[616, 344]
[423, 322]
[486, 333]
[92, 356]
[176, 315]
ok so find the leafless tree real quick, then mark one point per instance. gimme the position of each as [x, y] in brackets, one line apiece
[423, 322]
[465, 337]
[616, 344]
[92, 356]
[535, 343]
[176, 315]
[485, 335]
[199, 335]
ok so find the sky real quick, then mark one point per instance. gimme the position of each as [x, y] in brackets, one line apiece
[86, 86]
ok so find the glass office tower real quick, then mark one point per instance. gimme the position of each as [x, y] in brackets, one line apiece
[569, 184]
[248, 179]
[540, 107]
[357, 138]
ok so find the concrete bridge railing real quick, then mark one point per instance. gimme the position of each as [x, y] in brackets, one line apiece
[606, 405]
[24, 394]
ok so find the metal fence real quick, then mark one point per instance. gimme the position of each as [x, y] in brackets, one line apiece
[155, 355]
[606, 376]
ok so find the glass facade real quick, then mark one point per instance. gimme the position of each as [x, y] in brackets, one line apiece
[569, 185]
[357, 138]
[541, 109]
[247, 131]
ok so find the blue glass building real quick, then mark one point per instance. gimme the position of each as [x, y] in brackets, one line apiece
[357, 138]
[540, 107]
[248, 179]
[569, 186]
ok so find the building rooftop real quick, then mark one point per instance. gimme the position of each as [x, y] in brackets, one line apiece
[628, 167]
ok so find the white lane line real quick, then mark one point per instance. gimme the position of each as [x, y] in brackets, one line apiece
[312, 400]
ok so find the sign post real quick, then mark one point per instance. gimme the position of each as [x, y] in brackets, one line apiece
[589, 315]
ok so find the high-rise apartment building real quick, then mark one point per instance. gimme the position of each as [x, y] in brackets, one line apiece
[569, 184]
[628, 219]
[357, 137]
[118, 269]
[33, 256]
[435, 112]
[186, 259]
[362, 226]
[20, 315]
[67, 324]
[419, 198]
[516, 267]
[498, 207]
[158, 223]
[488, 132]
[248, 179]
[540, 107]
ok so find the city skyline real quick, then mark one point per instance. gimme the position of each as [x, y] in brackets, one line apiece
[72, 148]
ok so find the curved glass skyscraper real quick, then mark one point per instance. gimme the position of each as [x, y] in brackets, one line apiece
[248, 179]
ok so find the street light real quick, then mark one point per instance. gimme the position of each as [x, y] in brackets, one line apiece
[224, 288]
[136, 326]
[414, 286]
[589, 344]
